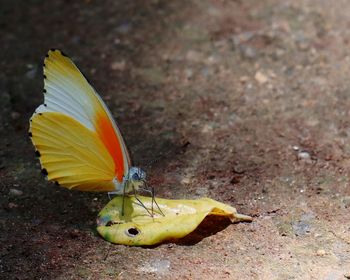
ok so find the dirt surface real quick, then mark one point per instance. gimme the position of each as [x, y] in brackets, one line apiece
[261, 90]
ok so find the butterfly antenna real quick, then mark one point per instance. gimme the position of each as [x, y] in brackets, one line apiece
[182, 148]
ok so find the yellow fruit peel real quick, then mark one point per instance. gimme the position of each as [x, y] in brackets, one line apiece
[138, 228]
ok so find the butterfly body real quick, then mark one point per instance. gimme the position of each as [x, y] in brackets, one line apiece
[133, 181]
[79, 143]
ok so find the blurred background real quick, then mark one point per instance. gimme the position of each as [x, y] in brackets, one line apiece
[261, 91]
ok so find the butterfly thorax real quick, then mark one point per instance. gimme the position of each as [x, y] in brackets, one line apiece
[134, 179]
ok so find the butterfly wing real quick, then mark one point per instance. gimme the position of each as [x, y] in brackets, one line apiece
[80, 145]
[70, 154]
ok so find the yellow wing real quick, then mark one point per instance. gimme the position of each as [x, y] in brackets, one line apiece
[68, 92]
[81, 146]
[70, 154]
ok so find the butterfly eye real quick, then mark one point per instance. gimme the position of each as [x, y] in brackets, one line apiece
[136, 177]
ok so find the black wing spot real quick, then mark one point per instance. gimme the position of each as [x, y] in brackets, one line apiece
[30, 134]
[52, 49]
[44, 90]
[37, 153]
[40, 114]
[56, 183]
[45, 77]
[30, 120]
[44, 172]
[45, 105]
[44, 65]
[47, 55]
[64, 54]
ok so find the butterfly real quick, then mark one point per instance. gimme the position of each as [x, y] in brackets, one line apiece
[78, 143]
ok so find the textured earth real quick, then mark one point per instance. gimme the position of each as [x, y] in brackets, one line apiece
[260, 90]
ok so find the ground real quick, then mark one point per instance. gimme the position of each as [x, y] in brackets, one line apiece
[260, 89]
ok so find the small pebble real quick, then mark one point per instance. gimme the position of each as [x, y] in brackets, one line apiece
[15, 115]
[186, 181]
[31, 73]
[12, 205]
[207, 128]
[321, 252]
[124, 28]
[301, 228]
[247, 51]
[188, 73]
[260, 77]
[15, 192]
[346, 201]
[303, 155]
[347, 275]
[118, 65]
[159, 266]
[243, 79]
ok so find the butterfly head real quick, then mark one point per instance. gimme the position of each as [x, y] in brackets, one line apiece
[137, 176]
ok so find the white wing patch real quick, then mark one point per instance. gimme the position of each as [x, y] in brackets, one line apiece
[65, 92]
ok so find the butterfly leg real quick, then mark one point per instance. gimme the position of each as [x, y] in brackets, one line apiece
[152, 192]
[141, 203]
[123, 199]
[110, 195]
[155, 202]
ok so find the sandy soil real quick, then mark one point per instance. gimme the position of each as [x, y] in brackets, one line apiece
[261, 90]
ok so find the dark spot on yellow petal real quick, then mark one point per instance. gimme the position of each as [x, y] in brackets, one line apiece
[37, 153]
[30, 134]
[44, 171]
